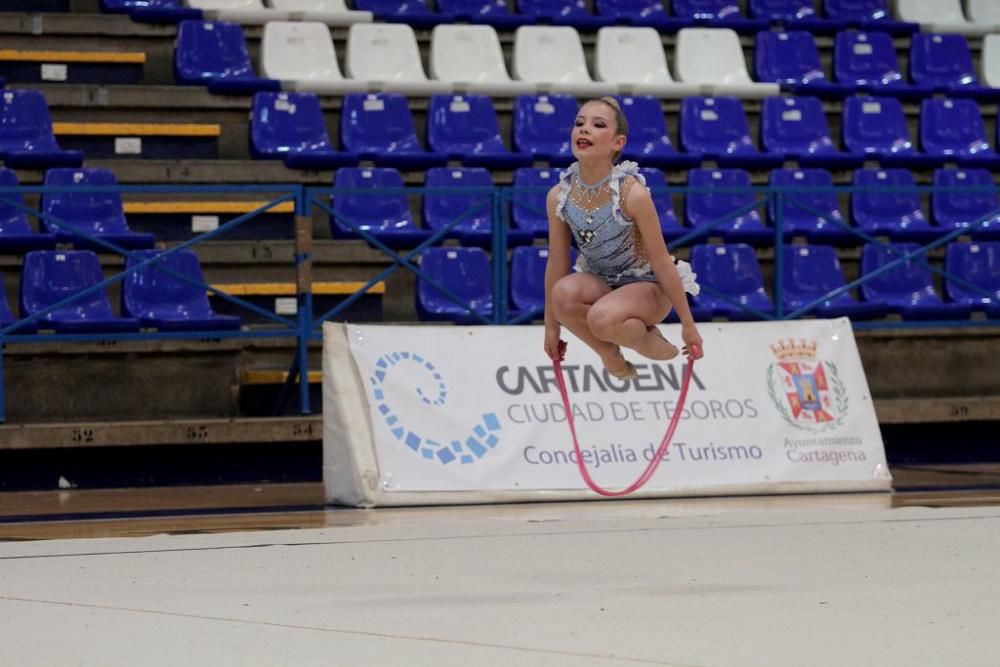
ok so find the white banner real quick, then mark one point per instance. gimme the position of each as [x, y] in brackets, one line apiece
[429, 414]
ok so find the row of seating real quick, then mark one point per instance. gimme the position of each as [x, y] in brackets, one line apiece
[164, 294]
[732, 283]
[886, 204]
[837, 14]
[380, 128]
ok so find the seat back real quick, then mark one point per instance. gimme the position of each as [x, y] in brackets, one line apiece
[325, 6]
[25, 123]
[715, 125]
[704, 208]
[990, 58]
[930, 11]
[706, 9]
[542, 123]
[13, 220]
[463, 125]
[217, 5]
[881, 209]
[528, 210]
[647, 126]
[298, 51]
[50, 276]
[643, 9]
[465, 272]
[710, 56]
[805, 210]
[377, 122]
[898, 285]
[527, 277]
[952, 127]
[473, 8]
[986, 12]
[383, 52]
[809, 272]
[875, 125]
[976, 263]
[549, 54]
[211, 49]
[856, 10]
[442, 208]
[6, 315]
[372, 208]
[866, 59]
[150, 292]
[661, 200]
[467, 53]
[960, 209]
[732, 269]
[287, 123]
[941, 60]
[795, 125]
[787, 57]
[552, 9]
[397, 8]
[782, 9]
[631, 56]
[95, 212]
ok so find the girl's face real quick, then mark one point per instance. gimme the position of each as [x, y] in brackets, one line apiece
[595, 134]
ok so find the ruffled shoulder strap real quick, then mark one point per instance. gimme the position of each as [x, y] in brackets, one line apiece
[565, 184]
[619, 173]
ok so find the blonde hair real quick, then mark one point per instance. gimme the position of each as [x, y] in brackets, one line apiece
[621, 123]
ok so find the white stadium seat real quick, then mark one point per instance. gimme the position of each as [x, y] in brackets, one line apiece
[938, 16]
[984, 12]
[330, 12]
[713, 59]
[552, 57]
[250, 12]
[302, 57]
[386, 55]
[470, 57]
[990, 68]
[633, 58]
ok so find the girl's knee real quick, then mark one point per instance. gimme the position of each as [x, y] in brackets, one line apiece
[602, 322]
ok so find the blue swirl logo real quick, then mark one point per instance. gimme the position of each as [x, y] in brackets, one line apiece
[433, 393]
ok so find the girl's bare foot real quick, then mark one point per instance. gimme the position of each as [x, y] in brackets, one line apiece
[620, 367]
[655, 346]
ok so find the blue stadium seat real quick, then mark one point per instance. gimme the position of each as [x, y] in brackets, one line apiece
[706, 207]
[412, 12]
[897, 215]
[542, 125]
[16, 235]
[867, 14]
[442, 208]
[527, 277]
[732, 271]
[867, 60]
[467, 273]
[812, 214]
[791, 59]
[978, 264]
[290, 127]
[163, 301]
[876, 127]
[954, 128]
[669, 224]
[385, 215]
[794, 15]
[643, 13]
[214, 53]
[718, 14]
[26, 139]
[796, 128]
[51, 276]
[379, 127]
[812, 272]
[944, 64]
[6, 316]
[648, 140]
[528, 208]
[907, 289]
[98, 214]
[954, 210]
[152, 11]
[716, 128]
[465, 128]
[489, 12]
[573, 13]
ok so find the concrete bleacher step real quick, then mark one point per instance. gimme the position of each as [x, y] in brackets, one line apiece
[84, 67]
[140, 140]
[280, 298]
[261, 390]
[181, 220]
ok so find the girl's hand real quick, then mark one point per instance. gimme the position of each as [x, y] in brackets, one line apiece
[554, 347]
[692, 342]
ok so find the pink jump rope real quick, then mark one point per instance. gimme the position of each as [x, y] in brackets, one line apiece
[695, 353]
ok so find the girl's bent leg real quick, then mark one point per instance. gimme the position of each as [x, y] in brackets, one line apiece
[628, 316]
[572, 298]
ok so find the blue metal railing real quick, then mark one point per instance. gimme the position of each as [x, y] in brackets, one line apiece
[306, 326]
